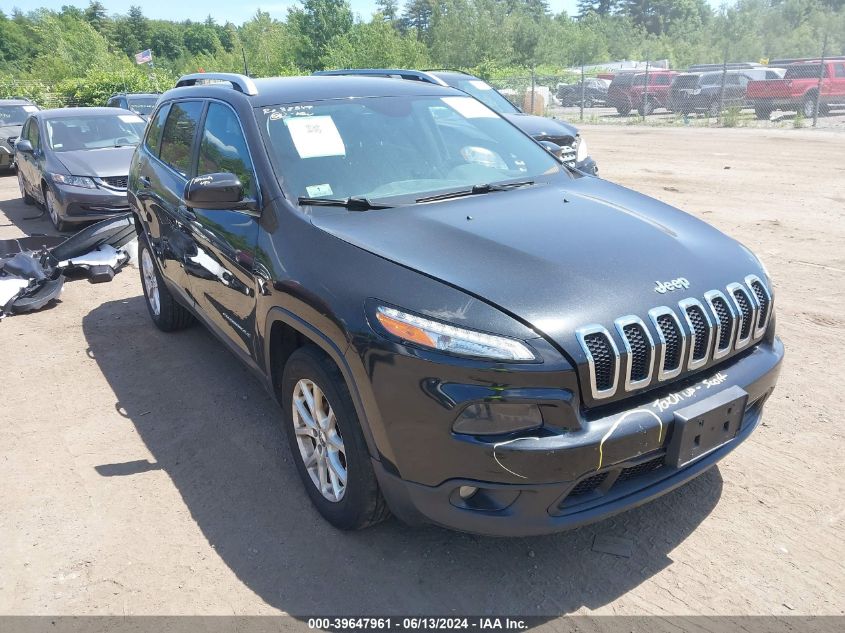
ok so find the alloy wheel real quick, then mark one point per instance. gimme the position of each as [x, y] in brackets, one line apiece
[49, 200]
[319, 440]
[150, 282]
[21, 184]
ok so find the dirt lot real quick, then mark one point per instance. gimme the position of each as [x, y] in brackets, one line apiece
[145, 473]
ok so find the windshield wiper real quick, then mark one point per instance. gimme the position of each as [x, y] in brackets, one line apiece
[353, 203]
[477, 189]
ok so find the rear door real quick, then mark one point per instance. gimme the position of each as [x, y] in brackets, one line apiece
[221, 270]
[163, 169]
[837, 81]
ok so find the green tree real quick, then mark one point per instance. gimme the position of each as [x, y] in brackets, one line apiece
[314, 24]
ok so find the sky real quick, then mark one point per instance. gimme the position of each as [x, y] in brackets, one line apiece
[236, 11]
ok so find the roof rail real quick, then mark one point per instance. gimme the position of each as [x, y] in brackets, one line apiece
[241, 83]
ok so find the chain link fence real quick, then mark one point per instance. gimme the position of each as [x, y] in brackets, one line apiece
[785, 92]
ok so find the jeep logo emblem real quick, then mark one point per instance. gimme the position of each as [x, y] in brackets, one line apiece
[663, 287]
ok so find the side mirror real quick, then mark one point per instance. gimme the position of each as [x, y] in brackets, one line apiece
[23, 146]
[217, 192]
[553, 148]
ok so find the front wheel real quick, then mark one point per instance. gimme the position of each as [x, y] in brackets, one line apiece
[588, 103]
[763, 113]
[327, 443]
[808, 106]
[53, 210]
[623, 110]
[167, 314]
[646, 108]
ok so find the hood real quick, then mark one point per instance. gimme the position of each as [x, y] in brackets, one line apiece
[557, 258]
[541, 127]
[109, 161]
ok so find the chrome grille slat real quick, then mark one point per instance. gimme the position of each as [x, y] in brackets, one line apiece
[725, 320]
[639, 351]
[601, 351]
[764, 304]
[701, 332]
[671, 342]
[745, 309]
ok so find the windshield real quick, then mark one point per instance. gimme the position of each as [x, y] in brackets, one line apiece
[15, 114]
[482, 91]
[67, 134]
[142, 105]
[804, 71]
[397, 147]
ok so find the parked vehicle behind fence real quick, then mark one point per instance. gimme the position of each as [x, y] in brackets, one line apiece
[628, 91]
[592, 93]
[13, 113]
[802, 86]
[141, 103]
[75, 162]
[711, 92]
[459, 328]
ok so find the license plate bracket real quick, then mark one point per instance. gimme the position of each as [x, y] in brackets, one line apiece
[706, 425]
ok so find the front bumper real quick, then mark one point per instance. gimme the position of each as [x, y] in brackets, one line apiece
[7, 157]
[543, 483]
[77, 204]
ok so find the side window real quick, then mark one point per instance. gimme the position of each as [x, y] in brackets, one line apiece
[32, 134]
[154, 130]
[839, 70]
[178, 137]
[223, 147]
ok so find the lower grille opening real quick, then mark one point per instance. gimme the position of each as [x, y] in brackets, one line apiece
[604, 359]
[641, 469]
[587, 485]
[672, 357]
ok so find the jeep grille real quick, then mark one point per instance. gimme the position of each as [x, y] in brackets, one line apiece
[676, 339]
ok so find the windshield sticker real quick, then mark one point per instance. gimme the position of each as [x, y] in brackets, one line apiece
[282, 112]
[315, 136]
[30, 108]
[480, 85]
[315, 191]
[130, 118]
[469, 108]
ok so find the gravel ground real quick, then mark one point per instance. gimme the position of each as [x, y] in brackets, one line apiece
[145, 473]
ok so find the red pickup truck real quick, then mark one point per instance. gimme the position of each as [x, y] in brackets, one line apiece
[798, 89]
[627, 91]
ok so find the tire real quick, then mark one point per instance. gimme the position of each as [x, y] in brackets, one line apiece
[167, 314]
[623, 110]
[334, 451]
[646, 108]
[27, 199]
[808, 106]
[763, 113]
[588, 103]
[713, 109]
[53, 211]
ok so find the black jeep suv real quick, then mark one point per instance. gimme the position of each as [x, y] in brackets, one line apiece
[459, 328]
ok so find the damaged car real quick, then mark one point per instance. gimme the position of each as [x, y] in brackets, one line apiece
[13, 114]
[33, 269]
[460, 328]
[75, 162]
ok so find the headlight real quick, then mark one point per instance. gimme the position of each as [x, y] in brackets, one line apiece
[582, 152]
[74, 181]
[448, 338]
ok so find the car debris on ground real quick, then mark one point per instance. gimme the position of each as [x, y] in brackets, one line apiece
[33, 269]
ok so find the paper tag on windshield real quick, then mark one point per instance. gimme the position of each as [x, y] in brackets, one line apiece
[130, 118]
[315, 136]
[315, 191]
[469, 108]
[481, 85]
[30, 109]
